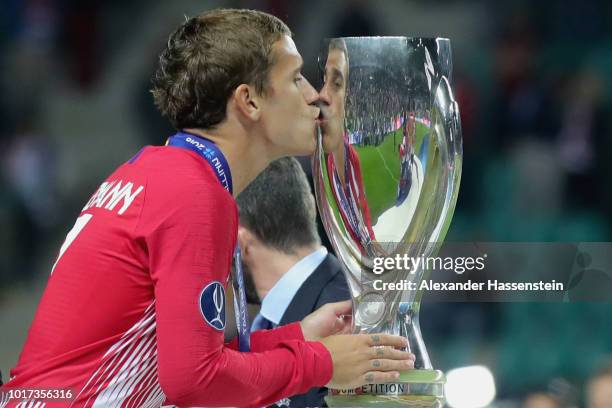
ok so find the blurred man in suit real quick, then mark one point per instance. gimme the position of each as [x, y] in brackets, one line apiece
[286, 267]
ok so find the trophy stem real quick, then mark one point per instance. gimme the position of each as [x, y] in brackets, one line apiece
[408, 316]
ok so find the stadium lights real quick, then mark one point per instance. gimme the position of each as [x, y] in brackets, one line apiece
[470, 387]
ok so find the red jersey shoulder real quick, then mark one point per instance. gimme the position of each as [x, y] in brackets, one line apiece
[180, 183]
[161, 183]
[177, 172]
[173, 176]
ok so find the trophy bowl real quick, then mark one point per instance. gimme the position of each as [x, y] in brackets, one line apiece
[386, 173]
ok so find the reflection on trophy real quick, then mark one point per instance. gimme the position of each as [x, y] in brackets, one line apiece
[387, 174]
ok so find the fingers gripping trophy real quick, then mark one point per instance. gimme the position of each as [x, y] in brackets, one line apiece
[387, 172]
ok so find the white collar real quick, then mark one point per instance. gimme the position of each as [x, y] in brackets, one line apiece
[276, 302]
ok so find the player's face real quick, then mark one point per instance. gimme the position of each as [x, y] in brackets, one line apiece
[332, 97]
[289, 113]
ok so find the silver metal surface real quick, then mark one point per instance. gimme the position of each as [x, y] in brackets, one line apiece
[387, 168]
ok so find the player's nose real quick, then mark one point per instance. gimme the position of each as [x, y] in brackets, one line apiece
[324, 95]
[310, 94]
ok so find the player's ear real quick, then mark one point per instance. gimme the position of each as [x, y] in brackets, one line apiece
[247, 101]
[246, 239]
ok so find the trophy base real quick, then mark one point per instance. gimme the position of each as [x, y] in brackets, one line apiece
[416, 388]
[383, 401]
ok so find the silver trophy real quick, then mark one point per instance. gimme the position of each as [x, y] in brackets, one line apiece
[387, 172]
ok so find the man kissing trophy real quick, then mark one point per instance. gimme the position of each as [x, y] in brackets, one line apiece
[387, 172]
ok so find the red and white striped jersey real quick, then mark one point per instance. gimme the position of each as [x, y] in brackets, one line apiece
[134, 310]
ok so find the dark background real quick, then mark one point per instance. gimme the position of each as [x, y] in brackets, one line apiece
[532, 79]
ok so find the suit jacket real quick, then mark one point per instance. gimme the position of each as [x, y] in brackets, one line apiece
[325, 285]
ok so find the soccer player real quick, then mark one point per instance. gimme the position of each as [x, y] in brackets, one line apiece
[134, 310]
[343, 164]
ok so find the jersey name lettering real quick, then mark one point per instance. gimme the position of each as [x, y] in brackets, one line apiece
[110, 193]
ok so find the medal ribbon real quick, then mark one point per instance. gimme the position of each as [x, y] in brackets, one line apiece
[208, 151]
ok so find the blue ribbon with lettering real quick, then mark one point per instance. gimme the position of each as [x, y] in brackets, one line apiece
[214, 157]
[208, 151]
[240, 304]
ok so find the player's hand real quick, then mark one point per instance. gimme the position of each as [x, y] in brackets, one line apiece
[329, 319]
[361, 359]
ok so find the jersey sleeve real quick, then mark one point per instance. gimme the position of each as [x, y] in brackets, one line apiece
[190, 251]
[262, 340]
